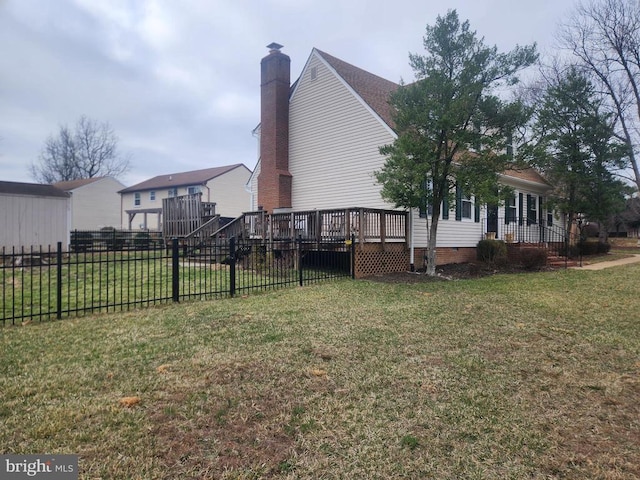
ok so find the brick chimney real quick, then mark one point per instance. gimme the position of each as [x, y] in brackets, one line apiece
[274, 180]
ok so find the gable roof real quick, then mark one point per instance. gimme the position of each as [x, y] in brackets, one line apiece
[32, 189]
[182, 179]
[73, 184]
[528, 174]
[373, 90]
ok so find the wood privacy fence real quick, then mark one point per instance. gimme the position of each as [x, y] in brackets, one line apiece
[186, 214]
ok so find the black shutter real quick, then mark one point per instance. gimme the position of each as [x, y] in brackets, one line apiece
[445, 208]
[520, 209]
[423, 204]
[476, 217]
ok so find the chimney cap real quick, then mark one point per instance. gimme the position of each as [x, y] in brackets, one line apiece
[274, 47]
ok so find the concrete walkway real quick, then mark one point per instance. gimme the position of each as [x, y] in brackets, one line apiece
[613, 263]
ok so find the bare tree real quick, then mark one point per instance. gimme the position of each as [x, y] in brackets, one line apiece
[90, 150]
[605, 36]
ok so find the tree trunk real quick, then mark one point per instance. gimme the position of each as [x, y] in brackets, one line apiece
[431, 245]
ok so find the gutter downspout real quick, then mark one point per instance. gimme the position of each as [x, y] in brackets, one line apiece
[412, 265]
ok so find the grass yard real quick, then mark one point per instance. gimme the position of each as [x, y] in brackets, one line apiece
[511, 376]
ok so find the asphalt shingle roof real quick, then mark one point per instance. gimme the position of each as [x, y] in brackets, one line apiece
[34, 189]
[73, 184]
[181, 179]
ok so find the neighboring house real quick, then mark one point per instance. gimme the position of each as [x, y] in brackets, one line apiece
[33, 215]
[95, 202]
[224, 186]
[319, 149]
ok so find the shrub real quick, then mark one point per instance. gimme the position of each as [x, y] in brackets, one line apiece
[491, 251]
[81, 241]
[594, 248]
[533, 258]
[142, 240]
[112, 237]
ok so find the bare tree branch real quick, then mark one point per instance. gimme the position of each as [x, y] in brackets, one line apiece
[605, 36]
[90, 150]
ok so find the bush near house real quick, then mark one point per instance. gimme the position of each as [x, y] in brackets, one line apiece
[588, 247]
[533, 258]
[492, 251]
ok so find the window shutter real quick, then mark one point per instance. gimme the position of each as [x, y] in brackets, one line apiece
[458, 202]
[476, 217]
[423, 204]
[445, 209]
[520, 209]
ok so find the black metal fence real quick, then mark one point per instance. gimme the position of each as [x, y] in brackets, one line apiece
[112, 239]
[41, 284]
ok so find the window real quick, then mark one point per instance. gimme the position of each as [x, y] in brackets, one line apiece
[549, 218]
[532, 209]
[192, 190]
[136, 199]
[466, 207]
[173, 192]
[152, 195]
[510, 210]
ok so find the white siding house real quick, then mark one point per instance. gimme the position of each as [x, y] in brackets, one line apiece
[141, 204]
[95, 202]
[33, 215]
[339, 117]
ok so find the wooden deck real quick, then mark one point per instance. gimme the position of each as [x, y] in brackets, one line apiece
[321, 226]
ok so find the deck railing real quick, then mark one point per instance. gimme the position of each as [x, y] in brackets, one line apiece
[366, 224]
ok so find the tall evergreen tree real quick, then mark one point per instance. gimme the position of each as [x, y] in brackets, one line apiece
[574, 145]
[451, 126]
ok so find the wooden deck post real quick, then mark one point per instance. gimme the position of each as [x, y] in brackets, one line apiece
[383, 229]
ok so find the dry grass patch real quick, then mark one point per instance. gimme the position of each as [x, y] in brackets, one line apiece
[511, 376]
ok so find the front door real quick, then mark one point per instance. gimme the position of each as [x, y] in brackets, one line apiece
[492, 219]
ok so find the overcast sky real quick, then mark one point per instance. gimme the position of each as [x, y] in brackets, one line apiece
[179, 80]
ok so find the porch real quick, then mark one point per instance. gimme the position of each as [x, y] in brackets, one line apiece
[523, 233]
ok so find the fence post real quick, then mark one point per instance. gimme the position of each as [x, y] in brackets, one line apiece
[299, 244]
[353, 256]
[232, 266]
[59, 281]
[175, 271]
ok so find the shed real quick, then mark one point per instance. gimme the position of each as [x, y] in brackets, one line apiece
[33, 215]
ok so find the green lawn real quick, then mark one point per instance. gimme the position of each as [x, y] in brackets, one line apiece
[511, 376]
[110, 281]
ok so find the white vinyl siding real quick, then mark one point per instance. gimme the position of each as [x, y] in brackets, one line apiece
[34, 221]
[96, 205]
[229, 193]
[333, 145]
